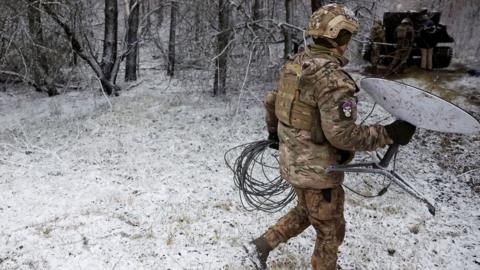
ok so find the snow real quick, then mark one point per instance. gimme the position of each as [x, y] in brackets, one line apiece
[143, 185]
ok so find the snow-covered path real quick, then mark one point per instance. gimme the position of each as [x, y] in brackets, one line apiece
[143, 185]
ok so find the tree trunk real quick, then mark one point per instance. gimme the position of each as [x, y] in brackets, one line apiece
[286, 30]
[198, 23]
[110, 41]
[220, 81]
[86, 55]
[258, 10]
[132, 42]
[171, 39]
[41, 76]
[146, 13]
[159, 12]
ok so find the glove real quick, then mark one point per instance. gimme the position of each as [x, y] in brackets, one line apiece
[400, 132]
[273, 138]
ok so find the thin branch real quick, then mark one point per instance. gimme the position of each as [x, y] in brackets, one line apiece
[245, 80]
[257, 22]
[104, 94]
[224, 50]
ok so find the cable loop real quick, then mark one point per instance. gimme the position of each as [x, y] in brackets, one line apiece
[258, 182]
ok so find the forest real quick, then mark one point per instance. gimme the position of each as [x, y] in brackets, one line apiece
[115, 117]
[52, 46]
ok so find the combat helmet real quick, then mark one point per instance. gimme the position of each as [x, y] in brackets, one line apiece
[329, 20]
[406, 20]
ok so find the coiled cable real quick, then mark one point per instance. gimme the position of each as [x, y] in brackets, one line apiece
[256, 175]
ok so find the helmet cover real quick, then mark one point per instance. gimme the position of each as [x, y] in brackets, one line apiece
[329, 20]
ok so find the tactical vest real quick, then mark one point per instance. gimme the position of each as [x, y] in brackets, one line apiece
[291, 110]
[288, 107]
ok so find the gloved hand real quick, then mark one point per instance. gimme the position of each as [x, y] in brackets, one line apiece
[273, 138]
[400, 131]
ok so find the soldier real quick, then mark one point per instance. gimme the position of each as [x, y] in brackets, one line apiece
[313, 114]
[376, 36]
[427, 41]
[405, 35]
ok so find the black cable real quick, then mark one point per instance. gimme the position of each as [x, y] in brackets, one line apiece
[369, 114]
[259, 190]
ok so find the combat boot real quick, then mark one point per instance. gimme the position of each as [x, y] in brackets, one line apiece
[257, 253]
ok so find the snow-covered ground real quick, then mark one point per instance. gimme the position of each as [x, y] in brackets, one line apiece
[141, 184]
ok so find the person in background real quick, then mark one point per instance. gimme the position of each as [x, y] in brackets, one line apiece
[426, 41]
[405, 35]
[377, 36]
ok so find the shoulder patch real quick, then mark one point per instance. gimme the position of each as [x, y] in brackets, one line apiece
[346, 107]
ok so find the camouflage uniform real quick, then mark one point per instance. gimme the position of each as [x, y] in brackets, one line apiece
[377, 36]
[314, 110]
[405, 35]
[305, 154]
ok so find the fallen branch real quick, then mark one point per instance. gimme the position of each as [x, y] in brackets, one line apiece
[23, 79]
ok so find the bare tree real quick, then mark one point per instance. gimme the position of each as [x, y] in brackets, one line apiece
[40, 66]
[223, 40]
[110, 42]
[145, 4]
[132, 40]
[198, 24]
[287, 30]
[159, 13]
[84, 50]
[171, 40]
[258, 10]
[28, 53]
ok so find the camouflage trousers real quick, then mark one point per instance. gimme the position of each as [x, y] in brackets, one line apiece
[400, 59]
[326, 217]
[427, 58]
[375, 55]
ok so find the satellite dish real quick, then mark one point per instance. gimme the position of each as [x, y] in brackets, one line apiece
[419, 108]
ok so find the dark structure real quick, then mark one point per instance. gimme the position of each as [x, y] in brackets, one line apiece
[442, 55]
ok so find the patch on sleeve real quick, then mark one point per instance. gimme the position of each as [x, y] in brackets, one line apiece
[346, 108]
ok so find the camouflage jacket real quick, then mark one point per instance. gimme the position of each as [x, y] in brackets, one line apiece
[377, 34]
[405, 35]
[324, 83]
